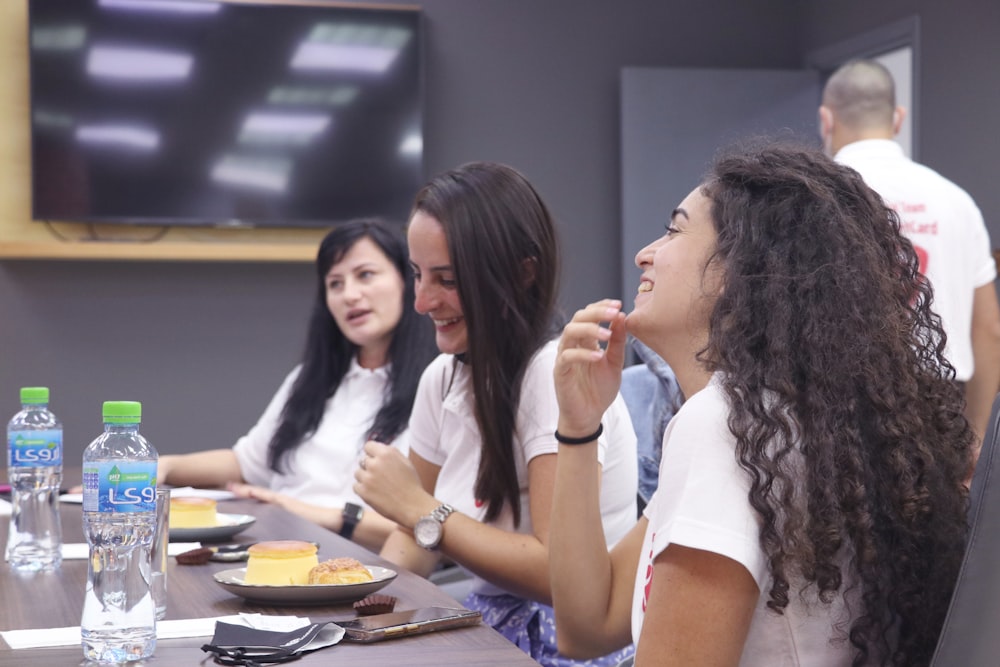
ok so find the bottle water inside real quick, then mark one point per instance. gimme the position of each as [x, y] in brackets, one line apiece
[34, 468]
[119, 520]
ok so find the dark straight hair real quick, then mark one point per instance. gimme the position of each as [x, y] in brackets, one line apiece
[328, 352]
[505, 256]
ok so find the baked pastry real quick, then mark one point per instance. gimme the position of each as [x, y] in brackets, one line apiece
[376, 603]
[193, 513]
[340, 571]
[280, 563]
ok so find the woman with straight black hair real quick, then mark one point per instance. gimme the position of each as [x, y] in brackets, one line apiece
[477, 487]
[364, 354]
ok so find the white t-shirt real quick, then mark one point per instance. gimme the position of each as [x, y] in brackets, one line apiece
[444, 432]
[320, 469]
[702, 503]
[946, 227]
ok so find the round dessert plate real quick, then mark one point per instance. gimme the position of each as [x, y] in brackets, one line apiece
[229, 525]
[309, 594]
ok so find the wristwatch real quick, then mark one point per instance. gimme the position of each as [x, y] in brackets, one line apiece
[351, 517]
[430, 528]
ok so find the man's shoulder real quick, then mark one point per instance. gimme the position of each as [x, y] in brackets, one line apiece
[890, 172]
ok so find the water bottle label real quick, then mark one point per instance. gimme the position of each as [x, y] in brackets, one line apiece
[119, 486]
[34, 449]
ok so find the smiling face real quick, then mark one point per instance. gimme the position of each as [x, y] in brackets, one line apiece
[364, 293]
[676, 291]
[436, 289]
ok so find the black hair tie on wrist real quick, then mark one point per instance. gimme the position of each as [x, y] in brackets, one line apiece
[580, 441]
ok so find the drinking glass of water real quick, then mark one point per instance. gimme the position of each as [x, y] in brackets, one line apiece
[158, 557]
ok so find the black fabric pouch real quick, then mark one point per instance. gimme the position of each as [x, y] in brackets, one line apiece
[241, 646]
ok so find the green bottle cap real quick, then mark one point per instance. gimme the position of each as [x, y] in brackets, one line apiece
[35, 395]
[122, 412]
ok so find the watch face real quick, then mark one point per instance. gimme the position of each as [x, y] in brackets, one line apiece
[353, 512]
[427, 532]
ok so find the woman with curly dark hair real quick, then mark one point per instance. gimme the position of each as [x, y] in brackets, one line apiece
[811, 506]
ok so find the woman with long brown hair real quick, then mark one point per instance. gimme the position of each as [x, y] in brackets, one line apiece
[477, 487]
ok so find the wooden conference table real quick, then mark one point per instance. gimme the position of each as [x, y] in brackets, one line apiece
[53, 600]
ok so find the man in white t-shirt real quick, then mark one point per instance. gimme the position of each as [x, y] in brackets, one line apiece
[858, 120]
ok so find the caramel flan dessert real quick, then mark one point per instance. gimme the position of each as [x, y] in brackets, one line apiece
[193, 513]
[280, 563]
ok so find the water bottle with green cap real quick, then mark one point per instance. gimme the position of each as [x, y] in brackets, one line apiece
[34, 468]
[119, 521]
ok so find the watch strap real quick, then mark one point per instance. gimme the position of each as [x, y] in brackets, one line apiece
[442, 512]
[350, 517]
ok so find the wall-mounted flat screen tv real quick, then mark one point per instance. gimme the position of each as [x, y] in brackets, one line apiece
[193, 112]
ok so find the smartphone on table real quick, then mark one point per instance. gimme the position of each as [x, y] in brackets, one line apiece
[404, 623]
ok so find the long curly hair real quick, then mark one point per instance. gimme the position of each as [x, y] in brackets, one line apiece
[846, 416]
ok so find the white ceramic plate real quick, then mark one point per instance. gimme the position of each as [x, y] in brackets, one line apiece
[309, 594]
[229, 525]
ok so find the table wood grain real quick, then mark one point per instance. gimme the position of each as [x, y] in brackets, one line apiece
[55, 599]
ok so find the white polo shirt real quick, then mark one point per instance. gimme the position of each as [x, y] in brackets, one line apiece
[321, 469]
[702, 503]
[947, 229]
[443, 431]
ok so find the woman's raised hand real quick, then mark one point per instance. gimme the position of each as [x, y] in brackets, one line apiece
[588, 367]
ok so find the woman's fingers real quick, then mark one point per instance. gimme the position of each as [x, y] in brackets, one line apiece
[260, 493]
[589, 362]
[586, 331]
[592, 330]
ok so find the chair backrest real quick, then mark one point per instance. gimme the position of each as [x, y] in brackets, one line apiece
[971, 633]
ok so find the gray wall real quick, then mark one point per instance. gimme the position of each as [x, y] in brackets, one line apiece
[203, 346]
[533, 84]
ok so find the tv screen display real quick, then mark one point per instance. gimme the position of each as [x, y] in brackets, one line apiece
[221, 113]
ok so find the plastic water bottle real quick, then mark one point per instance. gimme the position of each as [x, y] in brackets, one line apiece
[34, 465]
[119, 520]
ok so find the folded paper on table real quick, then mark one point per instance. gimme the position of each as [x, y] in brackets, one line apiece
[80, 550]
[172, 629]
[191, 492]
[179, 492]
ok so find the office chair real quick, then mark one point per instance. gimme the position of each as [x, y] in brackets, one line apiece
[971, 633]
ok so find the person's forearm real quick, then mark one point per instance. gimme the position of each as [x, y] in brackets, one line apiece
[212, 468]
[515, 562]
[373, 530]
[984, 384]
[980, 391]
[401, 550]
[578, 553]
